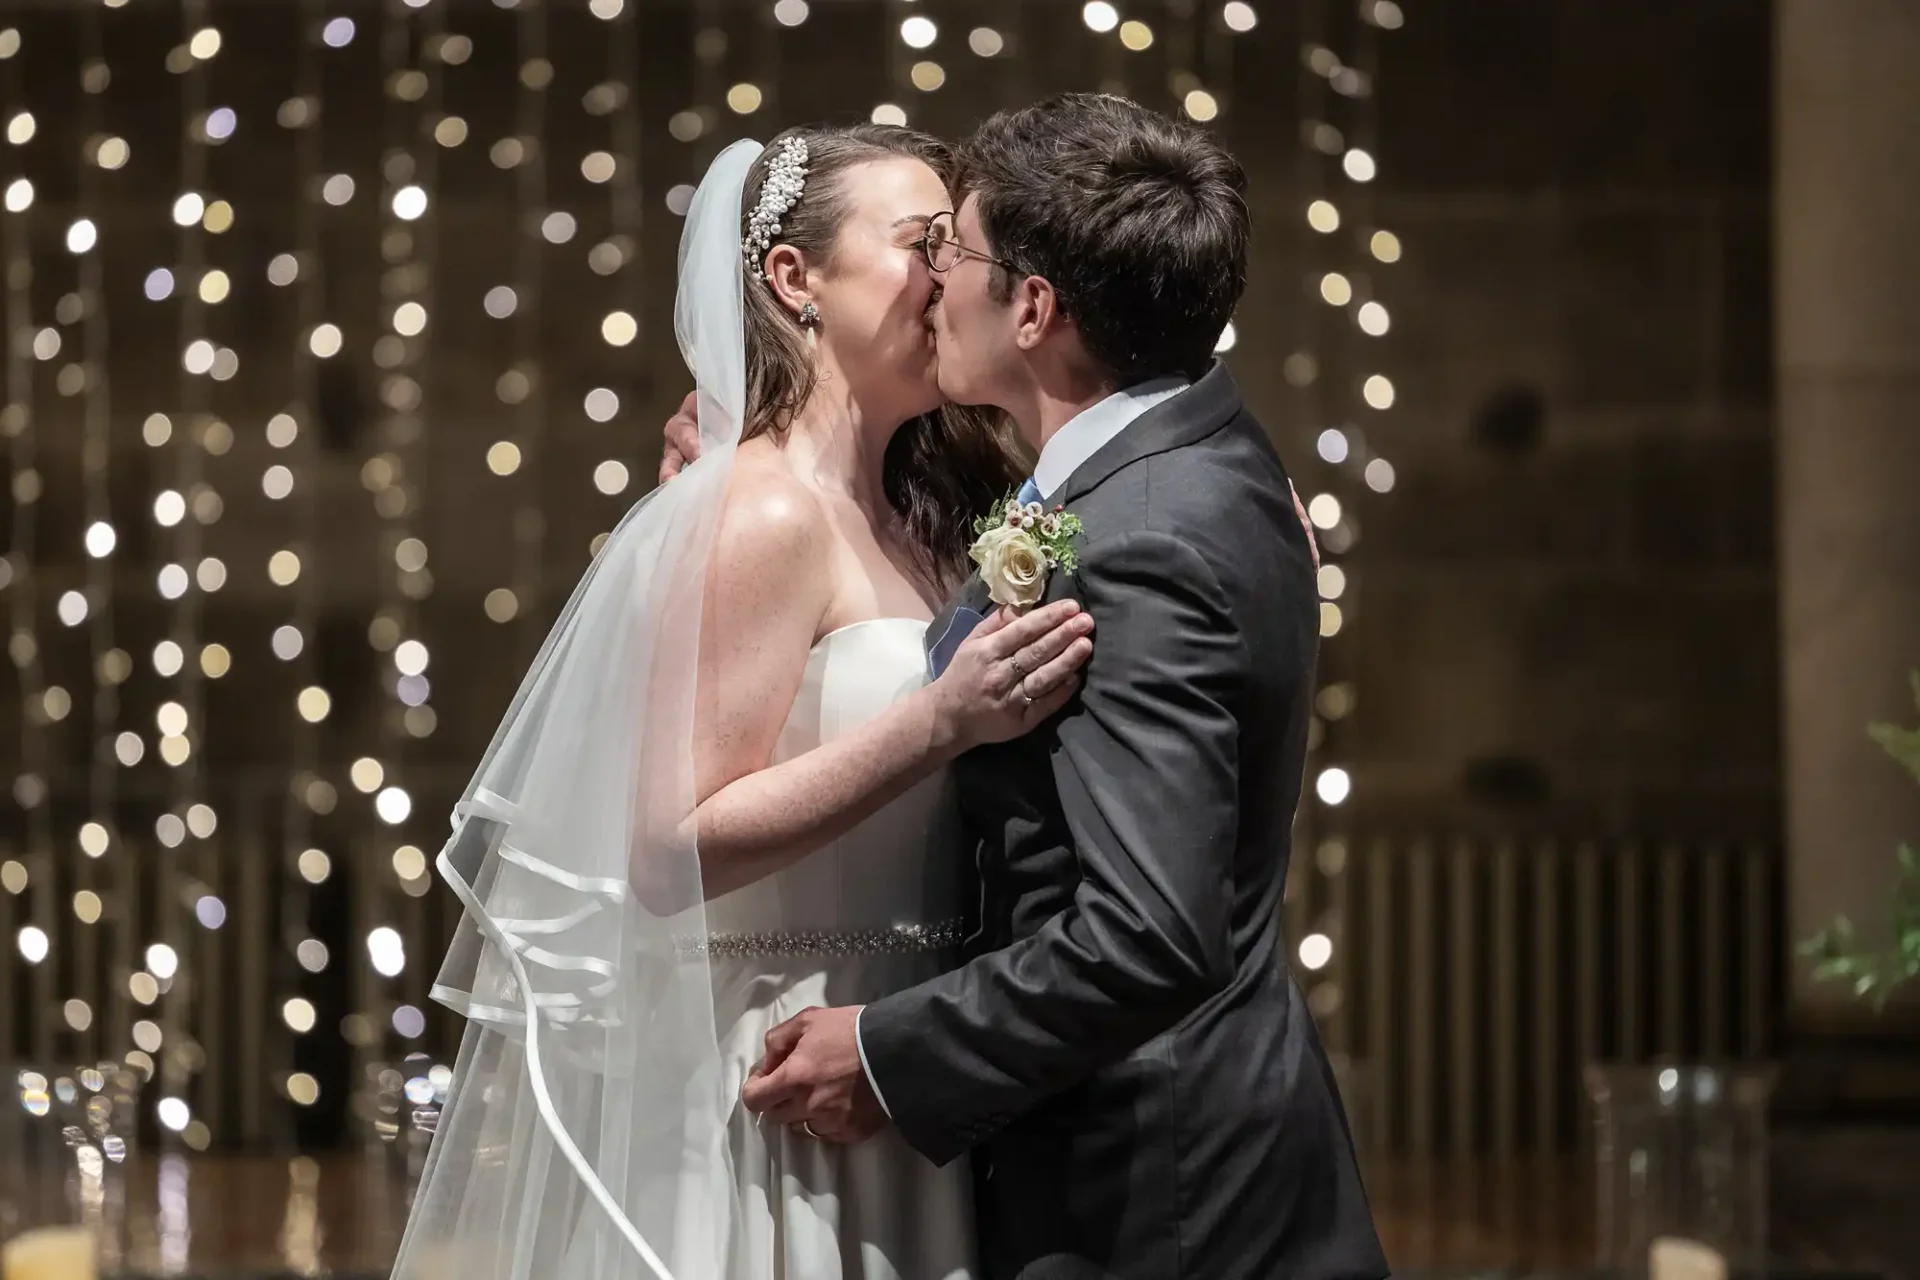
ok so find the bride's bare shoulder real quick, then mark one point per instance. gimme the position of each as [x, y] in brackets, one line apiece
[767, 505]
[773, 530]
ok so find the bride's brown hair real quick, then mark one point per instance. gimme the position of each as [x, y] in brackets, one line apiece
[942, 469]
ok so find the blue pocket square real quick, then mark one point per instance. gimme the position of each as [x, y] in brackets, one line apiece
[959, 627]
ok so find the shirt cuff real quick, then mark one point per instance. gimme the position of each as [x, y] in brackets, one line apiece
[861, 1045]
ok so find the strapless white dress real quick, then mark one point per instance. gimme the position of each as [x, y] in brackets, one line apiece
[870, 914]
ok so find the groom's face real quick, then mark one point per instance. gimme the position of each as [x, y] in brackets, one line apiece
[974, 333]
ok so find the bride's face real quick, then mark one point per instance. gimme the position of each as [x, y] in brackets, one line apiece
[875, 290]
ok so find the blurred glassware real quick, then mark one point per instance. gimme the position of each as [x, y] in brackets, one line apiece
[1680, 1168]
[66, 1137]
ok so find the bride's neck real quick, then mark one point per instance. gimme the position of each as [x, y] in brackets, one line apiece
[839, 448]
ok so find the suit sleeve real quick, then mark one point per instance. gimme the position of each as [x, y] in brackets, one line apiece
[1147, 770]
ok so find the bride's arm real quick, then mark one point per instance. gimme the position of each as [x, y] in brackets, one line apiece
[768, 592]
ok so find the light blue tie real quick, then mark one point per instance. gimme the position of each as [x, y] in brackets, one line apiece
[1029, 492]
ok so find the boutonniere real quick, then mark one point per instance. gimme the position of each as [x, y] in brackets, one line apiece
[1017, 546]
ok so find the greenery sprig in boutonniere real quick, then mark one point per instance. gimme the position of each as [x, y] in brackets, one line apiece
[1017, 547]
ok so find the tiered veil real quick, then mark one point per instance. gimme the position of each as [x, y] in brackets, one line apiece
[585, 1134]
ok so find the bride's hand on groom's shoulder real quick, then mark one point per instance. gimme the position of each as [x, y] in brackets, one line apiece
[682, 438]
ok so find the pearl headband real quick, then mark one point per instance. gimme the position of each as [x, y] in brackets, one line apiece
[786, 178]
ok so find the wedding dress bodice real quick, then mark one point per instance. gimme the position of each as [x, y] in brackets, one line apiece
[903, 865]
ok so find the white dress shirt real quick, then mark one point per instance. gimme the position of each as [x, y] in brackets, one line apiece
[1082, 436]
[1088, 431]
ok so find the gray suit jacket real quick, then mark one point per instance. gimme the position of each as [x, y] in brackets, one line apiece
[1124, 1051]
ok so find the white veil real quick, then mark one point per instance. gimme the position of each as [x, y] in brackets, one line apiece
[585, 1135]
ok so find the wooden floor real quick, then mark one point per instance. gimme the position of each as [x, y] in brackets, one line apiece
[344, 1214]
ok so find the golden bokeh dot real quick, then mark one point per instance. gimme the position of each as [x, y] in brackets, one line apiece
[314, 866]
[503, 457]
[598, 166]
[409, 863]
[314, 704]
[298, 1014]
[619, 328]
[502, 604]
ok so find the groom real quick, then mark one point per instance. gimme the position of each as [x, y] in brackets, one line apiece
[1124, 1052]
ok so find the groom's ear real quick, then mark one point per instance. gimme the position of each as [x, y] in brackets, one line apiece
[1036, 311]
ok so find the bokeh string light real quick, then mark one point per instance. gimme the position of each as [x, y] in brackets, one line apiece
[390, 874]
[523, 386]
[1340, 368]
[618, 257]
[104, 880]
[32, 940]
[912, 36]
[191, 433]
[294, 436]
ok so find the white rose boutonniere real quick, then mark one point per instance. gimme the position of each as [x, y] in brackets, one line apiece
[1017, 546]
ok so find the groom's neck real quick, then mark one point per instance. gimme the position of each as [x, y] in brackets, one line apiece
[1060, 400]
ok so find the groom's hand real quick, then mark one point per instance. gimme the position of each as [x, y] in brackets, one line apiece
[812, 1075]
[682, 435]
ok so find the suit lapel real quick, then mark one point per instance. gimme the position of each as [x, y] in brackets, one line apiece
[962, 613]
[1194, 414]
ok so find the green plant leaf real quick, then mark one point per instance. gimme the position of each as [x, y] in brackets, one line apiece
[1835, 948]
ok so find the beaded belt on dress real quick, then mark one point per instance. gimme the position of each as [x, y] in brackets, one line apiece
[900, 938]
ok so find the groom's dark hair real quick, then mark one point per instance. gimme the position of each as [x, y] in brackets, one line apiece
[1138, 221]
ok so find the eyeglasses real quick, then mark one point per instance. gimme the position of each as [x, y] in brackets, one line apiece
[944, 250]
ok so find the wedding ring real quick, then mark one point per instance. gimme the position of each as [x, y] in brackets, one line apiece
[807, 1125]
[1014, 662]
[1025, 697]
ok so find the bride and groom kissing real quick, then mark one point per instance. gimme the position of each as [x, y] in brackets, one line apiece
[991, 778]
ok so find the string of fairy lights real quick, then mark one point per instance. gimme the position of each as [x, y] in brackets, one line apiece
[294, 433]
[617, 256]
[33, 873]
[1339, 367]
[189, 435]
[109, 665]
[396, 475]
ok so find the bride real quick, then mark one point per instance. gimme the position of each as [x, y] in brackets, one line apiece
[719, 795]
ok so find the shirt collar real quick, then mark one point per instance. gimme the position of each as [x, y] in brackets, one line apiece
[1088, 431]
